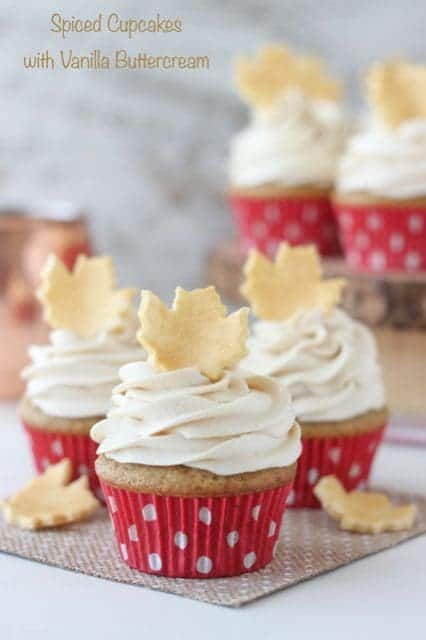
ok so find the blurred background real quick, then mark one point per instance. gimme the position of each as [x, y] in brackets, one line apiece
[145, 152]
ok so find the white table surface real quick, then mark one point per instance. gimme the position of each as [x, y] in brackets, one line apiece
[382, 596]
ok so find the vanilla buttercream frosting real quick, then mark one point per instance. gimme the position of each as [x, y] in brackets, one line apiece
[239, 423]
[386, 162]
[295, 142]
[73, 377]
[328, 361]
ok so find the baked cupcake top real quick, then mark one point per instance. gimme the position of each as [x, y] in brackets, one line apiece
[93, 335]
[297, 128]
[190, 404]
[326, 359]
[388, 158]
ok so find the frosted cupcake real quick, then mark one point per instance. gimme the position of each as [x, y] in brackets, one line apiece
[69, 380]
[196, 458]
[283, 165]
[380, 199]
[327, 360]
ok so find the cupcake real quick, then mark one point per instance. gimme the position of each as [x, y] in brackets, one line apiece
[196, 457]
[328, 362]
[380, 198]
[69, 380]
[283, 164]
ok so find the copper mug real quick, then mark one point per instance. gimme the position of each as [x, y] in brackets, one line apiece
[27, 235]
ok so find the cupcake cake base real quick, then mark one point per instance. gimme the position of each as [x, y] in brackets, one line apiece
[189, 523]
[380, 235]
[345, 449]
[52, 438]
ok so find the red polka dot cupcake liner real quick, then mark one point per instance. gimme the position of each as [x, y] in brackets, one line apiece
[383, 238]
[349, 458]
[183, 537]
[263, 223]
[50, 447]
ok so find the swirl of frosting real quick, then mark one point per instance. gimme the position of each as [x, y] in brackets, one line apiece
[387, 163]
[72, 377]
[295, 142]
[237, 424]
[328, 362]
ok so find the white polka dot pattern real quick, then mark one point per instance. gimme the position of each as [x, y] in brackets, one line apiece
[415, 223]
[378, 260]
[335, 454]
[149, 513]
[374, 221]
[412, 260]
[383, 238]
[205, 515]
[264, 223]
[181, 540]
[49, 448]
[291, 498]
[112, 504]
[355, 470]
[204, 564]
[249, 559]
[272, 213]
[232, 538]
[155, 561]
[293, 231]
[256, 512]
[133, 533]
[57, 448]
[196, 537]
[313, 475]
[349, 458]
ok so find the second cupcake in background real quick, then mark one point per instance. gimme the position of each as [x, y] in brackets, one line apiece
[196, 458]
[69, 381]
[283, 165]
[380, 199]
[327, 360]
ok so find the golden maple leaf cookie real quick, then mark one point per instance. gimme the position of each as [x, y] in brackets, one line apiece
[397, 91]
[276, 70]
[362, 511]
[49, 501]
[85, 300]
[277, 291]
[194, 333]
